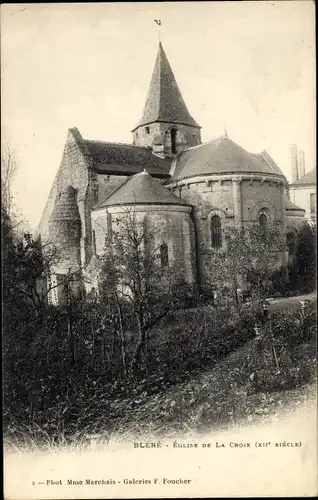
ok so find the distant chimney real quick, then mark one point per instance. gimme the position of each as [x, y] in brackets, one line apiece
[294, 162]
[301, 163]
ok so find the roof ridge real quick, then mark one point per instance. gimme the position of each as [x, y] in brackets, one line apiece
[121, 185]
[204, 143]
[221, 155]
[117, 143]
[297, 207]
[207, 161]
[112, 192]
[143, 189]
[303, 180]
[257, 155]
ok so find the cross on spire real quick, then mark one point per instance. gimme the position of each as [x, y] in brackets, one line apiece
[158, 22]
[225, 131]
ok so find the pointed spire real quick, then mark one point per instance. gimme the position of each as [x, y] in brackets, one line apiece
[164, 101]
[225, 134]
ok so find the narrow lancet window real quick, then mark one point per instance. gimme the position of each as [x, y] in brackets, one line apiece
[173, 141]
[216, 232]
[262, 220]
[164, 255]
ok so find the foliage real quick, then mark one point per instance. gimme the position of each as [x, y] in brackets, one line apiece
[249, 258]
[134, 281]
[306, 258]
[175, 396]
[273, 364]
[300, 275]
[70, 368]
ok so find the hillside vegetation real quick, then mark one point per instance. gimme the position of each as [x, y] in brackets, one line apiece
[147, 351]
[209, 371]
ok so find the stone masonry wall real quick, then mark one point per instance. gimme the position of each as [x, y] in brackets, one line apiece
[107, 184]
[208, 199]
[73, 171]
[100, 228]
[165, 224]
[66, 234]
[257, 195]
[189, 136]
[217, 197]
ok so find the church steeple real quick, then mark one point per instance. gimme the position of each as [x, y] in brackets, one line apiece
[165, 110]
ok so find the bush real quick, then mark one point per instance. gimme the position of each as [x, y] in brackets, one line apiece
[59, 395]
[294, 328]
[288, 378]
[199, 339]
[275, 362]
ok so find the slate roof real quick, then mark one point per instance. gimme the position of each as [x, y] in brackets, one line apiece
[65, 206]
[164, 100]
[268, 160]
[141, 189]
[110, 157]
[307, 179]
[219, 157]
[289, 205]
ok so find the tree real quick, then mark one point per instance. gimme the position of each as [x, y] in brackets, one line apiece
[32, 263]
[9, 168]
[249, 258]
[132, 275]
[306, 257]
[112, 309]
[10, 275]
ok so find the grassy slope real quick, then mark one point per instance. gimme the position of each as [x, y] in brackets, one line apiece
[216, 399]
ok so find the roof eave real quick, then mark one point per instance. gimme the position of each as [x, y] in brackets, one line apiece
[308, 184]
[148, 203]
[132, 171]
[229, 172]
[144, 124]
[295, 210]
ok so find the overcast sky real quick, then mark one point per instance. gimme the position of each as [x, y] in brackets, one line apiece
[249, 65]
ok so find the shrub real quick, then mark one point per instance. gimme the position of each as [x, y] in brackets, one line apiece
[187, 341]
[274, 362]
[294, 328]
[288, 378]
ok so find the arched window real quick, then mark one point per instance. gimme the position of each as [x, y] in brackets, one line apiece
[173, 141]
[94, 241]
[216, 232]
[262, 219]
[164, 256]
[291, 242]
[95, 191]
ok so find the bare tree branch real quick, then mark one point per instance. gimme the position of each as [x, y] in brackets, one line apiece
[9, 168]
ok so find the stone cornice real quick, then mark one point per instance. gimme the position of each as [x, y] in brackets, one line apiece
[273, 178]
[302, 186]
[142, 207]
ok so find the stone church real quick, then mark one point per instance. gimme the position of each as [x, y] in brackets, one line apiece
[187, 190]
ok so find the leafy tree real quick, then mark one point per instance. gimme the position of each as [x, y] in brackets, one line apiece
[32, 263]
[249, 258]
[302, 263]
[135, 280]
[306, 257]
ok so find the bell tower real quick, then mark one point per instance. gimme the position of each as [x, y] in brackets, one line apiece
[166, 124]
